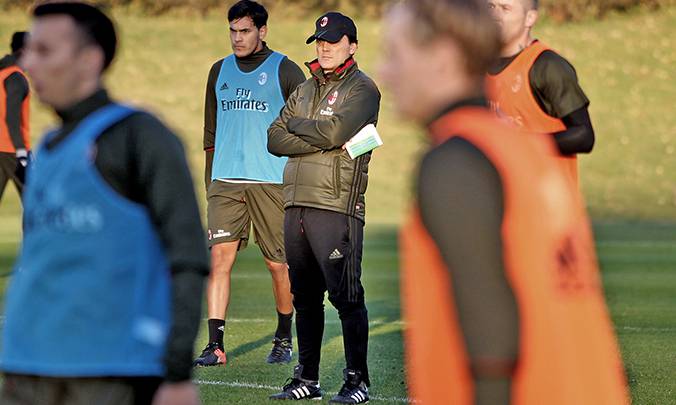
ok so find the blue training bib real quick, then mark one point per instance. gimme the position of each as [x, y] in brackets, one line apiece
[247, 103]
[90, 294]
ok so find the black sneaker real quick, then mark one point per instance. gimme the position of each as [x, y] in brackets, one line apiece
[353, 391]
[298, 388]
[212, 355]
[281, 352]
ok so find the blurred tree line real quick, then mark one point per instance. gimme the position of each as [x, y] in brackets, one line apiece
[559, 10]
[573, 10]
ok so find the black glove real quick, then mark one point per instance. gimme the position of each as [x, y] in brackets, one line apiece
[23, 158]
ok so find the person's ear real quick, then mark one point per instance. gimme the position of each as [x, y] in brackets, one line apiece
[531, 18]
[262, 32]
[92, 59]
[353, 48]
[446, 59]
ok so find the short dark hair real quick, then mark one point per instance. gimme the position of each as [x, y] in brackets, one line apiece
[18, 41]
[251, 9]
[96, 28]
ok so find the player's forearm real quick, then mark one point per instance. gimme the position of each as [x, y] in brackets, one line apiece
[334, 132]
[325, 135]
[210, 109]
[164, 176]
[283, 143]
[209, 137]
[578, 137]
[358, 109]
[13, 119]
[492, 379]
[15, 94]
[208, 164]
[467, 232]
[492, 391]
[187, 288]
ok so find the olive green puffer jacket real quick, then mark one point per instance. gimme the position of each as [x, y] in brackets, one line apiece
[319, 117]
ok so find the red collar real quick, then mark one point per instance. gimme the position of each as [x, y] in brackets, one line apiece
[346, 65]
[318, 73]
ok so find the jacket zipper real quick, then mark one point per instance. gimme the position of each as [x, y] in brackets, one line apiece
[336, 175]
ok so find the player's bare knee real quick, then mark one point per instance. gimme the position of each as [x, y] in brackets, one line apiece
[277, 270]
[223, 257]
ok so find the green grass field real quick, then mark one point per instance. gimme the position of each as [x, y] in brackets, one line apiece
[638, 262]
[625, 64]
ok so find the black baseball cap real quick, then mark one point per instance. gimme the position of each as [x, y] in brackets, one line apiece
[332, 26]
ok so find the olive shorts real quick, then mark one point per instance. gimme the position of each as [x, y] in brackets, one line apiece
[233, 207]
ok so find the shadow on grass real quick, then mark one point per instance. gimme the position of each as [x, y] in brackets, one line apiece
[385, 367]
[250, 346]
[330, 331]
[384, 311]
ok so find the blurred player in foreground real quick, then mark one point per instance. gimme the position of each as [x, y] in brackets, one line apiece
[501, 291]
[104, 303]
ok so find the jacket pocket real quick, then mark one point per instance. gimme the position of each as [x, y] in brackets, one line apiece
[336, 175]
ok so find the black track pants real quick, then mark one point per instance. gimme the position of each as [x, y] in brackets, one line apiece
[324, 250]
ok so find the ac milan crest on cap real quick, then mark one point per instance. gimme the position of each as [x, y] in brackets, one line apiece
[332, 26]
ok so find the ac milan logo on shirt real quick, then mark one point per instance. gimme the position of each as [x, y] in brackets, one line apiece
[324, 21]
[518, 81]
[263, 78]
[333, 97]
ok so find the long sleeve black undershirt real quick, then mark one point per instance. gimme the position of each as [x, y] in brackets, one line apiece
[461, 202]
[144, 161]
[555, 87]
[578, 137]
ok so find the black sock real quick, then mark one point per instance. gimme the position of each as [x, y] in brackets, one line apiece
[283, 325]
[216, 327]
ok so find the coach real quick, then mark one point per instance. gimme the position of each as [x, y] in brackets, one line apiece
[324, 201]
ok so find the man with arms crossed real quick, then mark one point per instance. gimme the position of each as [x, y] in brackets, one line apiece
[245, 92]
[324, 198]
[500, 289]
[104, 303]
[537, 89]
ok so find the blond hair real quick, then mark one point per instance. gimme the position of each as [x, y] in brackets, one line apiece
[467, 22]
